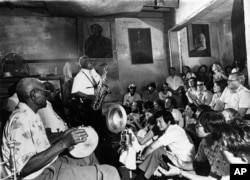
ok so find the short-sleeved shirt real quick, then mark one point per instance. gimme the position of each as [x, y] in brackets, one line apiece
[85, 81]
[51, 120]
[238, 99]
[163, 96]
[174, 82]
[27, 130]
[128, 98]
[213, 154]
[205, 97]
[177, 117]
[178, 142]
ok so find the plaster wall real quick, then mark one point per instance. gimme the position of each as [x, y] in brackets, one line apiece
[140, 74]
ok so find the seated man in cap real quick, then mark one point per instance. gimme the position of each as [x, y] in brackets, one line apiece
[131, 96]
[35, 157]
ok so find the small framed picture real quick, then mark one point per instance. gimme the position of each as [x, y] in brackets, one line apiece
[198, 40]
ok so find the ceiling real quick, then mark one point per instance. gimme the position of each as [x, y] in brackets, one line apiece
[73, 8]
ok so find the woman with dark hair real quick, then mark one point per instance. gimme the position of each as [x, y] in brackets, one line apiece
[165, 92]
[235, 145]
[202, 73]
[228, 70]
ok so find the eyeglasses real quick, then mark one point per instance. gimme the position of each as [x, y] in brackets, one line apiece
[231, 80]
[46, 92]
[198, 125]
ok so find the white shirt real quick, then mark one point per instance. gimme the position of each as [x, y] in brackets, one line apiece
[177, 140]
[84, 81]
[12, 102]
[51, 120]
[27, 130]
[178, 117]
[174, 82]
[238, 99]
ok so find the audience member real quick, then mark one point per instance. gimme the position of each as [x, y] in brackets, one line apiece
[203, 96]
[176, 86]
[187, 74]
[131, 96]
[234, 147]
[202, 73]
[235, 96]
[150, 94]
[170, 107]
[219, 75]
[165, 92]
[174, 144]
[216, 96]
[191, 92]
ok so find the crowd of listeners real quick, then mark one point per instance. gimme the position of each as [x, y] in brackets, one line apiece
[187, 126]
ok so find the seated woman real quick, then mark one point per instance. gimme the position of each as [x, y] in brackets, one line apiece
[230, 114]
[158, 105]
[235, 145]
[174, 143]
[133, 118]
[217, 89]
[165, 92]
[219, 75]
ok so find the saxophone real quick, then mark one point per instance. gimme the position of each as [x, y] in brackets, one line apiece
[101, 91]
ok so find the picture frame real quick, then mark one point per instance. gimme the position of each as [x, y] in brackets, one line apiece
[97, 39]
[140, 45]
[198, 40]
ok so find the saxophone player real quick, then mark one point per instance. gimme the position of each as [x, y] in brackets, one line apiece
[86, 80]
[83, 91]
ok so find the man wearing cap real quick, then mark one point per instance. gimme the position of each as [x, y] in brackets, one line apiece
[98, 46]
[131, 96]
[86, 80]
[83, 91]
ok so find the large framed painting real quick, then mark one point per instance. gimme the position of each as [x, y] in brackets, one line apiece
[97, 40]
[198, 40]
[140, 45]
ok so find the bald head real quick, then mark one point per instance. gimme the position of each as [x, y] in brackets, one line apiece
[25, 86]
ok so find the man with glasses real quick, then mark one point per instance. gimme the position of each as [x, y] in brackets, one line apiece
[34, 156]
[235, 96]
[203, 96]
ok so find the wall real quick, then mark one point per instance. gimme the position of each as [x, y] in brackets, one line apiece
[220, 43]
[141, 74]
[38, 37]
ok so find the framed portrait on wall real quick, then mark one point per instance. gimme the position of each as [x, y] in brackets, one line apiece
[198, 40]
[97, 39]
[140, 45]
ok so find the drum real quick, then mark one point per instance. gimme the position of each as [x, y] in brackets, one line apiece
[84, 149]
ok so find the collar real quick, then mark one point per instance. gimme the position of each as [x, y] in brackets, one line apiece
[27, 110]
[237, 90]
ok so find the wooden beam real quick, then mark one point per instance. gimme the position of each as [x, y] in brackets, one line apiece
[207, 8]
